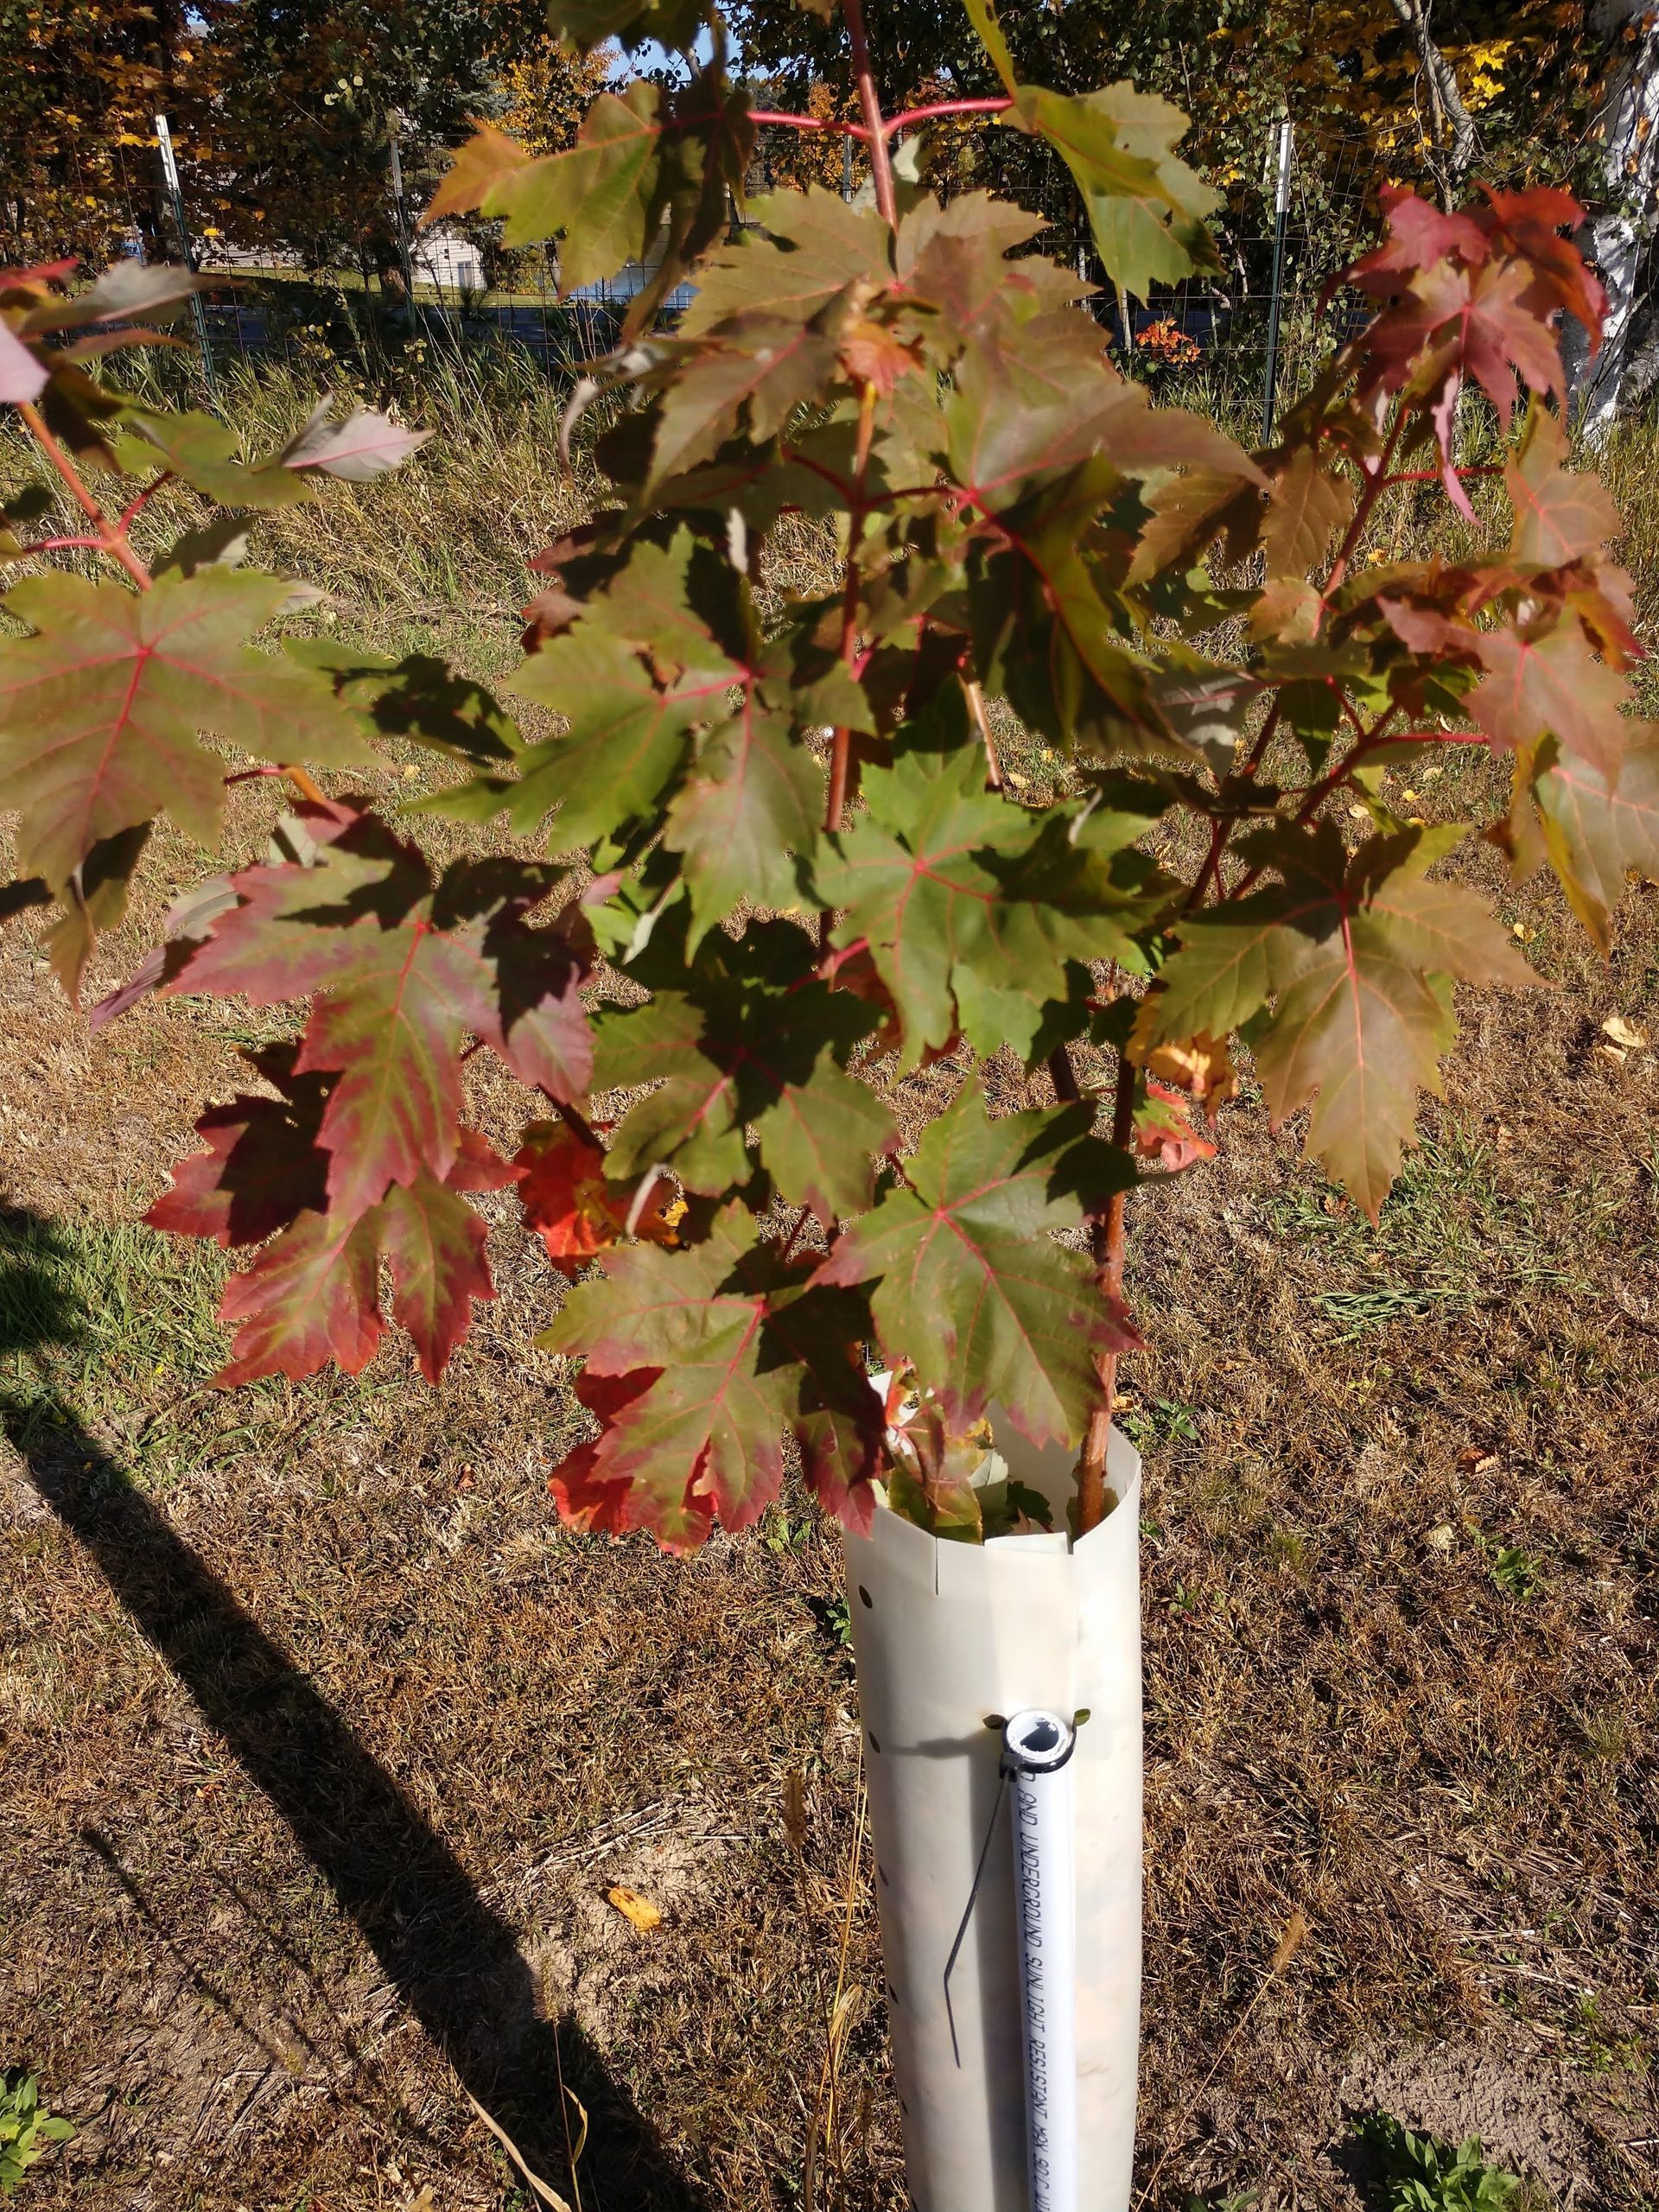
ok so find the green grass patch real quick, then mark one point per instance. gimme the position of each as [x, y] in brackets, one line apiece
[109, 1317]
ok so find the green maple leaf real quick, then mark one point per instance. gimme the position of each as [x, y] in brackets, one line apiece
[674, 703]
[745, 819]
[757, 367]
[207, 454]
[753, 1041]
[970, 905]
[627, 742]
[1042, 441]
[744, 1348]
[600, 189]
[99, 710]
[1547, 683]
[1015, 420]
[651, 661]
[1145, 207]
[1355, 954]
[799, 252]
[970, 1285]
[1597, 834]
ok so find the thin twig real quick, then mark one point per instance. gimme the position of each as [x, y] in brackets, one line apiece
[1107, 1230]
[840, 746]
[1290, 1942]
[976, 698]
[823, 2108]
[886, 198]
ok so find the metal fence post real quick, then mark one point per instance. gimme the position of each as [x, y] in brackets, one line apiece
[1281, 209]
[400, 215]
[170, 172]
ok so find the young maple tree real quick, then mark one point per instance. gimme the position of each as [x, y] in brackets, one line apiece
[783, 819]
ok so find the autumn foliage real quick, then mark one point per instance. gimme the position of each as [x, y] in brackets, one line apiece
[785, 824]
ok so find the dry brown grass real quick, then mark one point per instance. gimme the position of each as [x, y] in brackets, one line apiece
[322, 1744]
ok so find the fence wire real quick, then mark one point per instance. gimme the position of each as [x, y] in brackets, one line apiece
[1206, 336]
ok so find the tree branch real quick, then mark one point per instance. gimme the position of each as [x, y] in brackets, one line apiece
[870, 100]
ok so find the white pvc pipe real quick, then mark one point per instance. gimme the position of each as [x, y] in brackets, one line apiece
[951, 1639]
[1036, 1748]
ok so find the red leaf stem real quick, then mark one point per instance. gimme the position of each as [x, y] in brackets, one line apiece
[110, 539]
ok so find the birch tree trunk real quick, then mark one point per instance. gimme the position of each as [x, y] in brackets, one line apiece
[1619, 234]
[1453, 126]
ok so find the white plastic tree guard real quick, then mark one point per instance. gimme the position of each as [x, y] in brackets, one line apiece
[952, 1641]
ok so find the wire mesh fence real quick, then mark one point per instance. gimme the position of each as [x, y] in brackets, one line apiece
[451, 293]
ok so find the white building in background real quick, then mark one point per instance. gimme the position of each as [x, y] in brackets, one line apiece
[452, 263]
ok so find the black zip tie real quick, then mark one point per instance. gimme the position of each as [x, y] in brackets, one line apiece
[979, 1873]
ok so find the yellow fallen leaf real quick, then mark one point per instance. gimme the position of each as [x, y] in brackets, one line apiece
[632, 1907]
[1408, 798]
[1360, 813]
[1611, 1054]
[1623, 1032]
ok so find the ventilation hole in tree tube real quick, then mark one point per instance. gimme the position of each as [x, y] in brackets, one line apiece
[1042, 1736]
[882, 1872]
[875, 1744]
[866, 1596]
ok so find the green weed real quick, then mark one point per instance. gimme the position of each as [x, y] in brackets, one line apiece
[26, 2129]
[1421, 2173]
[1515, 1574]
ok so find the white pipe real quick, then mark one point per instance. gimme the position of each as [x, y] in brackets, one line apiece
[1036, 1748]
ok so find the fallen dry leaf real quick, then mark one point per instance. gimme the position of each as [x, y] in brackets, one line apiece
[632, 1907]
[1624, 1032]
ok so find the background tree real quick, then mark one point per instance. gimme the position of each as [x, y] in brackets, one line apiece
[286, 119]
[1367, 87]
[79, 87]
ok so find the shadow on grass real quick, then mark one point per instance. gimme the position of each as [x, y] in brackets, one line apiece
[454, 1962]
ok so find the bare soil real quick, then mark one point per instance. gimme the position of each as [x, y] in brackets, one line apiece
[321, 1745]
